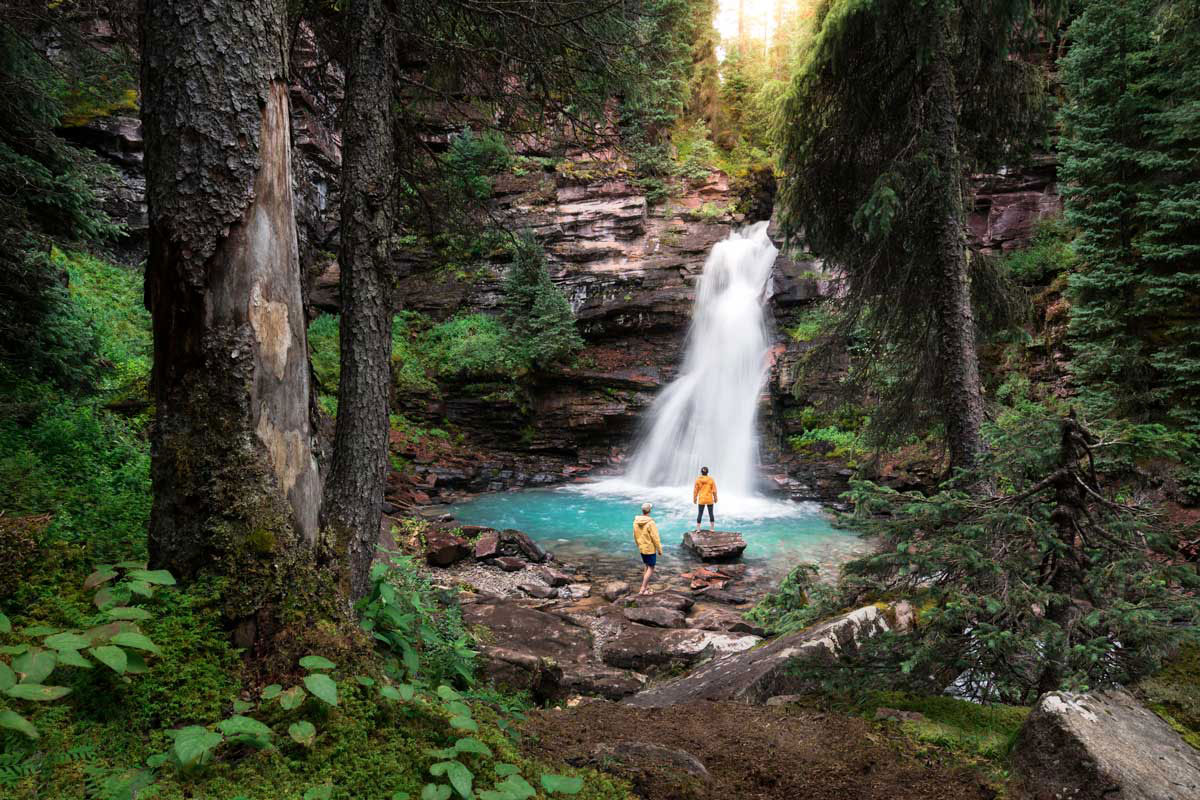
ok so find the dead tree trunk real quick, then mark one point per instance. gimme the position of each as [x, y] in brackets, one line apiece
[236, 488]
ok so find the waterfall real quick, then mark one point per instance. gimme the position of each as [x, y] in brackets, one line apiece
[707, 416]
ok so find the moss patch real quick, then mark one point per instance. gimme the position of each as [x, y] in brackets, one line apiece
[1174, 693]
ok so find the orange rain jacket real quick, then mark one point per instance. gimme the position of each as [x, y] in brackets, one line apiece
[705, 491]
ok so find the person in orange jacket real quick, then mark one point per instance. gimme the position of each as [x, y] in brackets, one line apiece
[704, 493]
[645, 534]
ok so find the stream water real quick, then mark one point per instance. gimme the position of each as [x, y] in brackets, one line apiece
[707, 416]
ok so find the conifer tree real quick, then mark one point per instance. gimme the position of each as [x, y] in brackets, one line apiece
[536, 311]
[896, 102]
[1131, 171]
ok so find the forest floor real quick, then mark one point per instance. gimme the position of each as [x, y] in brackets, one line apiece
[757, 753]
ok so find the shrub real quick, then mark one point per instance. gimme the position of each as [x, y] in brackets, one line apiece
[471, 346]
[324, 347]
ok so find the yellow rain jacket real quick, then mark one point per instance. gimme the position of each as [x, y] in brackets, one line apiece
[705, 491]
[645, 533]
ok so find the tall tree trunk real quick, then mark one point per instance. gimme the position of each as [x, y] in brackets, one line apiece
[354, 491]
[236, 487]
[962, 392]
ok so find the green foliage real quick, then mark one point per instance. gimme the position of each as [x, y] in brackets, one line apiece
[427, 641]
[1131, 171]
[471, 346]
[1033, 588]
[1048, 255]
[832, 442]
[539, 318]
[796, 603]
[324, 353]
[1174, 693]
[409, 369]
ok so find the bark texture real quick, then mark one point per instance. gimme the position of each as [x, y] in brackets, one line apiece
[354, 491]
[236, 487]
[962, 395]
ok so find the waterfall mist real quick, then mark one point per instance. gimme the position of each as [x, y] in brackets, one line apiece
[707, 415]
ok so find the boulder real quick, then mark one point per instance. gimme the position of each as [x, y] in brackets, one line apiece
[552, 577]
[614, 590]
[671, 600]
[443, 548]
[1103, 745]
[723, 619]
[715, 545]
[509, 563]
[516, 543]
[601, 681]
[523, 671]
[538, 590]
[723, 596]
[624, 758]
[487, 545]
[655, 616]
[764, 672]
[575, 591]
[642, 648]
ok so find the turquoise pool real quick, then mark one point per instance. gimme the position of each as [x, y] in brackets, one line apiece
[593, 523]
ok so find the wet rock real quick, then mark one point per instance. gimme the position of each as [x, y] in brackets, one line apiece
[443, 548]
[614, 590]
[539, 590]
[518, 544]
[575, 591]
[722, 619]
[642, 648]
[1102, 746]
[764, 672]
[723, 596]
[659, 617]
[552, 577]
[509, 563]
[715, 545]
[488, 545]
[671, 600]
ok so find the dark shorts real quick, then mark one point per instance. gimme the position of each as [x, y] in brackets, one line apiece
[649, 558]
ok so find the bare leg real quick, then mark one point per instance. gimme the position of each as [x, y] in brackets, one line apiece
[646, 579]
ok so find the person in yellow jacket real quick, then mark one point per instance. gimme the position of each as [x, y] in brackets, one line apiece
[645, 534]
[704, 493]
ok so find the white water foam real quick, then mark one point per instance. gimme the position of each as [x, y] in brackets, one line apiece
[708, 415]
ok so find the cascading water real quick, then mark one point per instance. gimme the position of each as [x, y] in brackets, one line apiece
[707, 416]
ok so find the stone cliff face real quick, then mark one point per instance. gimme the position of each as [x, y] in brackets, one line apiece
[629, 269]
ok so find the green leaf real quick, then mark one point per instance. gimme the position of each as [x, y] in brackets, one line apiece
[7, 676]
[14, 649]
[140, 587]
[134, 663]
[400, 796]
[464, 724]
[292, 698]
[316, 662]
[241, 706]
[272, 691]
[112, 657]
[457, 709]
[390, 693]
[34, 666]
[562, 784]
[37, 692]
[104, 598]
[504, 770]
[303, 733]
[15, 722]
[128, 612]
[100, 576]
[194, 744]
[517, 786]
[67, 641]
[407, 691]
[237, 725]
[364, 680]
[460, 777]
[448, 694]
[470, 744]
[318, 793]
[73, 658]
[322, 687]
[135, 640]
[159, 577]
[435, 791]
[5, 625]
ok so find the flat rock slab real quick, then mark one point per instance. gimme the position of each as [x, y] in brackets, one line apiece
[671, 600]
[643, 648]
[1102, 746]
[764, 672]
[656, 616]
[715, 545]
